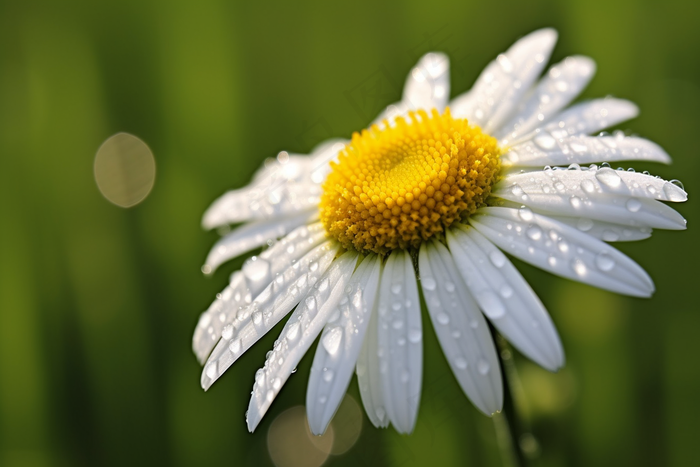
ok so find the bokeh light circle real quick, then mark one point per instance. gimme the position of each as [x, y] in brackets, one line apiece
[125, 170]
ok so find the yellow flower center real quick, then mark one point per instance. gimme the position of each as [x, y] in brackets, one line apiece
[397, 186]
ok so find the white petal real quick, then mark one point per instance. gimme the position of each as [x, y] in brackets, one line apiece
[558, 87]
[340, 346]
[257, 274]
[504, 296]
[461, 329]
[499, 88]
[298, 334]
[585, 118]
[255, 320]
[281, 198]
[546, 149]
[608, 195]
[428, 85]
[583, 182]
[400, 358]
[292, 165]
[253, 235]
[368, 375]
[606, 231]
[218, 315]
[562, 250]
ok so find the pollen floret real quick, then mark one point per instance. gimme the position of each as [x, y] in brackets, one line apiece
[396, 186]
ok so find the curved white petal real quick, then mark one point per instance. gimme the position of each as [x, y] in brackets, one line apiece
[293, 165]
[461, 328]
[585, 118]
[253, 202]
[253, 235]
[499, 88]
[613, 196]
[428, 85]
[585, 181]
[562, 250]
[257, 274]
[213, 320]
[274, 302]
[546, 149]
[298, 334]
[505, 298]
[400, 357]
[369, 378]
[340, 345]
[562, 83]
[606, 231]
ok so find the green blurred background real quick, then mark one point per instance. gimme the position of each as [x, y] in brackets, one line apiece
[98, 303]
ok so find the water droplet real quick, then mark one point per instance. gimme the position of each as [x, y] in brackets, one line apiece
[415, 335]
[579, 267]
[525, 214]
[673, 193]
[443, 319]
[461, 363]
[257, 317]
[211, 370]
[327, 375]
[256, 269]
[545, 141]
[331, 340]
[270, 396]
[405, 376]
[396, 289]
[293, 331]
[633, 205]
[483, 366]
[534, 232]
[310, 302]
[428, 283]
[604, 261]
[398, 324]
[235, 346]
[506, 291]
[584, 224]
[450, 287]
[588, 186]
[497, 258]
[491, 305]
[276, 383]
[575, 202]
[608, 176]
[313, 266]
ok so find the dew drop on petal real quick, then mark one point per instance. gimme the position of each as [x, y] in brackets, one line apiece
[604, 261]
[490, 303]
[460, 363]
[608, 177]
[483, 366]
[331, 340]
[428, 283]
[443, 318]
[415, 335]
[497, 258]
[525, 213]
[633, 205]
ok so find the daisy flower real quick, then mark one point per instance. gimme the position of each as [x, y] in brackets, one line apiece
[430, 197]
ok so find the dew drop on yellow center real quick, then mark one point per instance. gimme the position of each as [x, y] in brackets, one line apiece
[396, 186]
